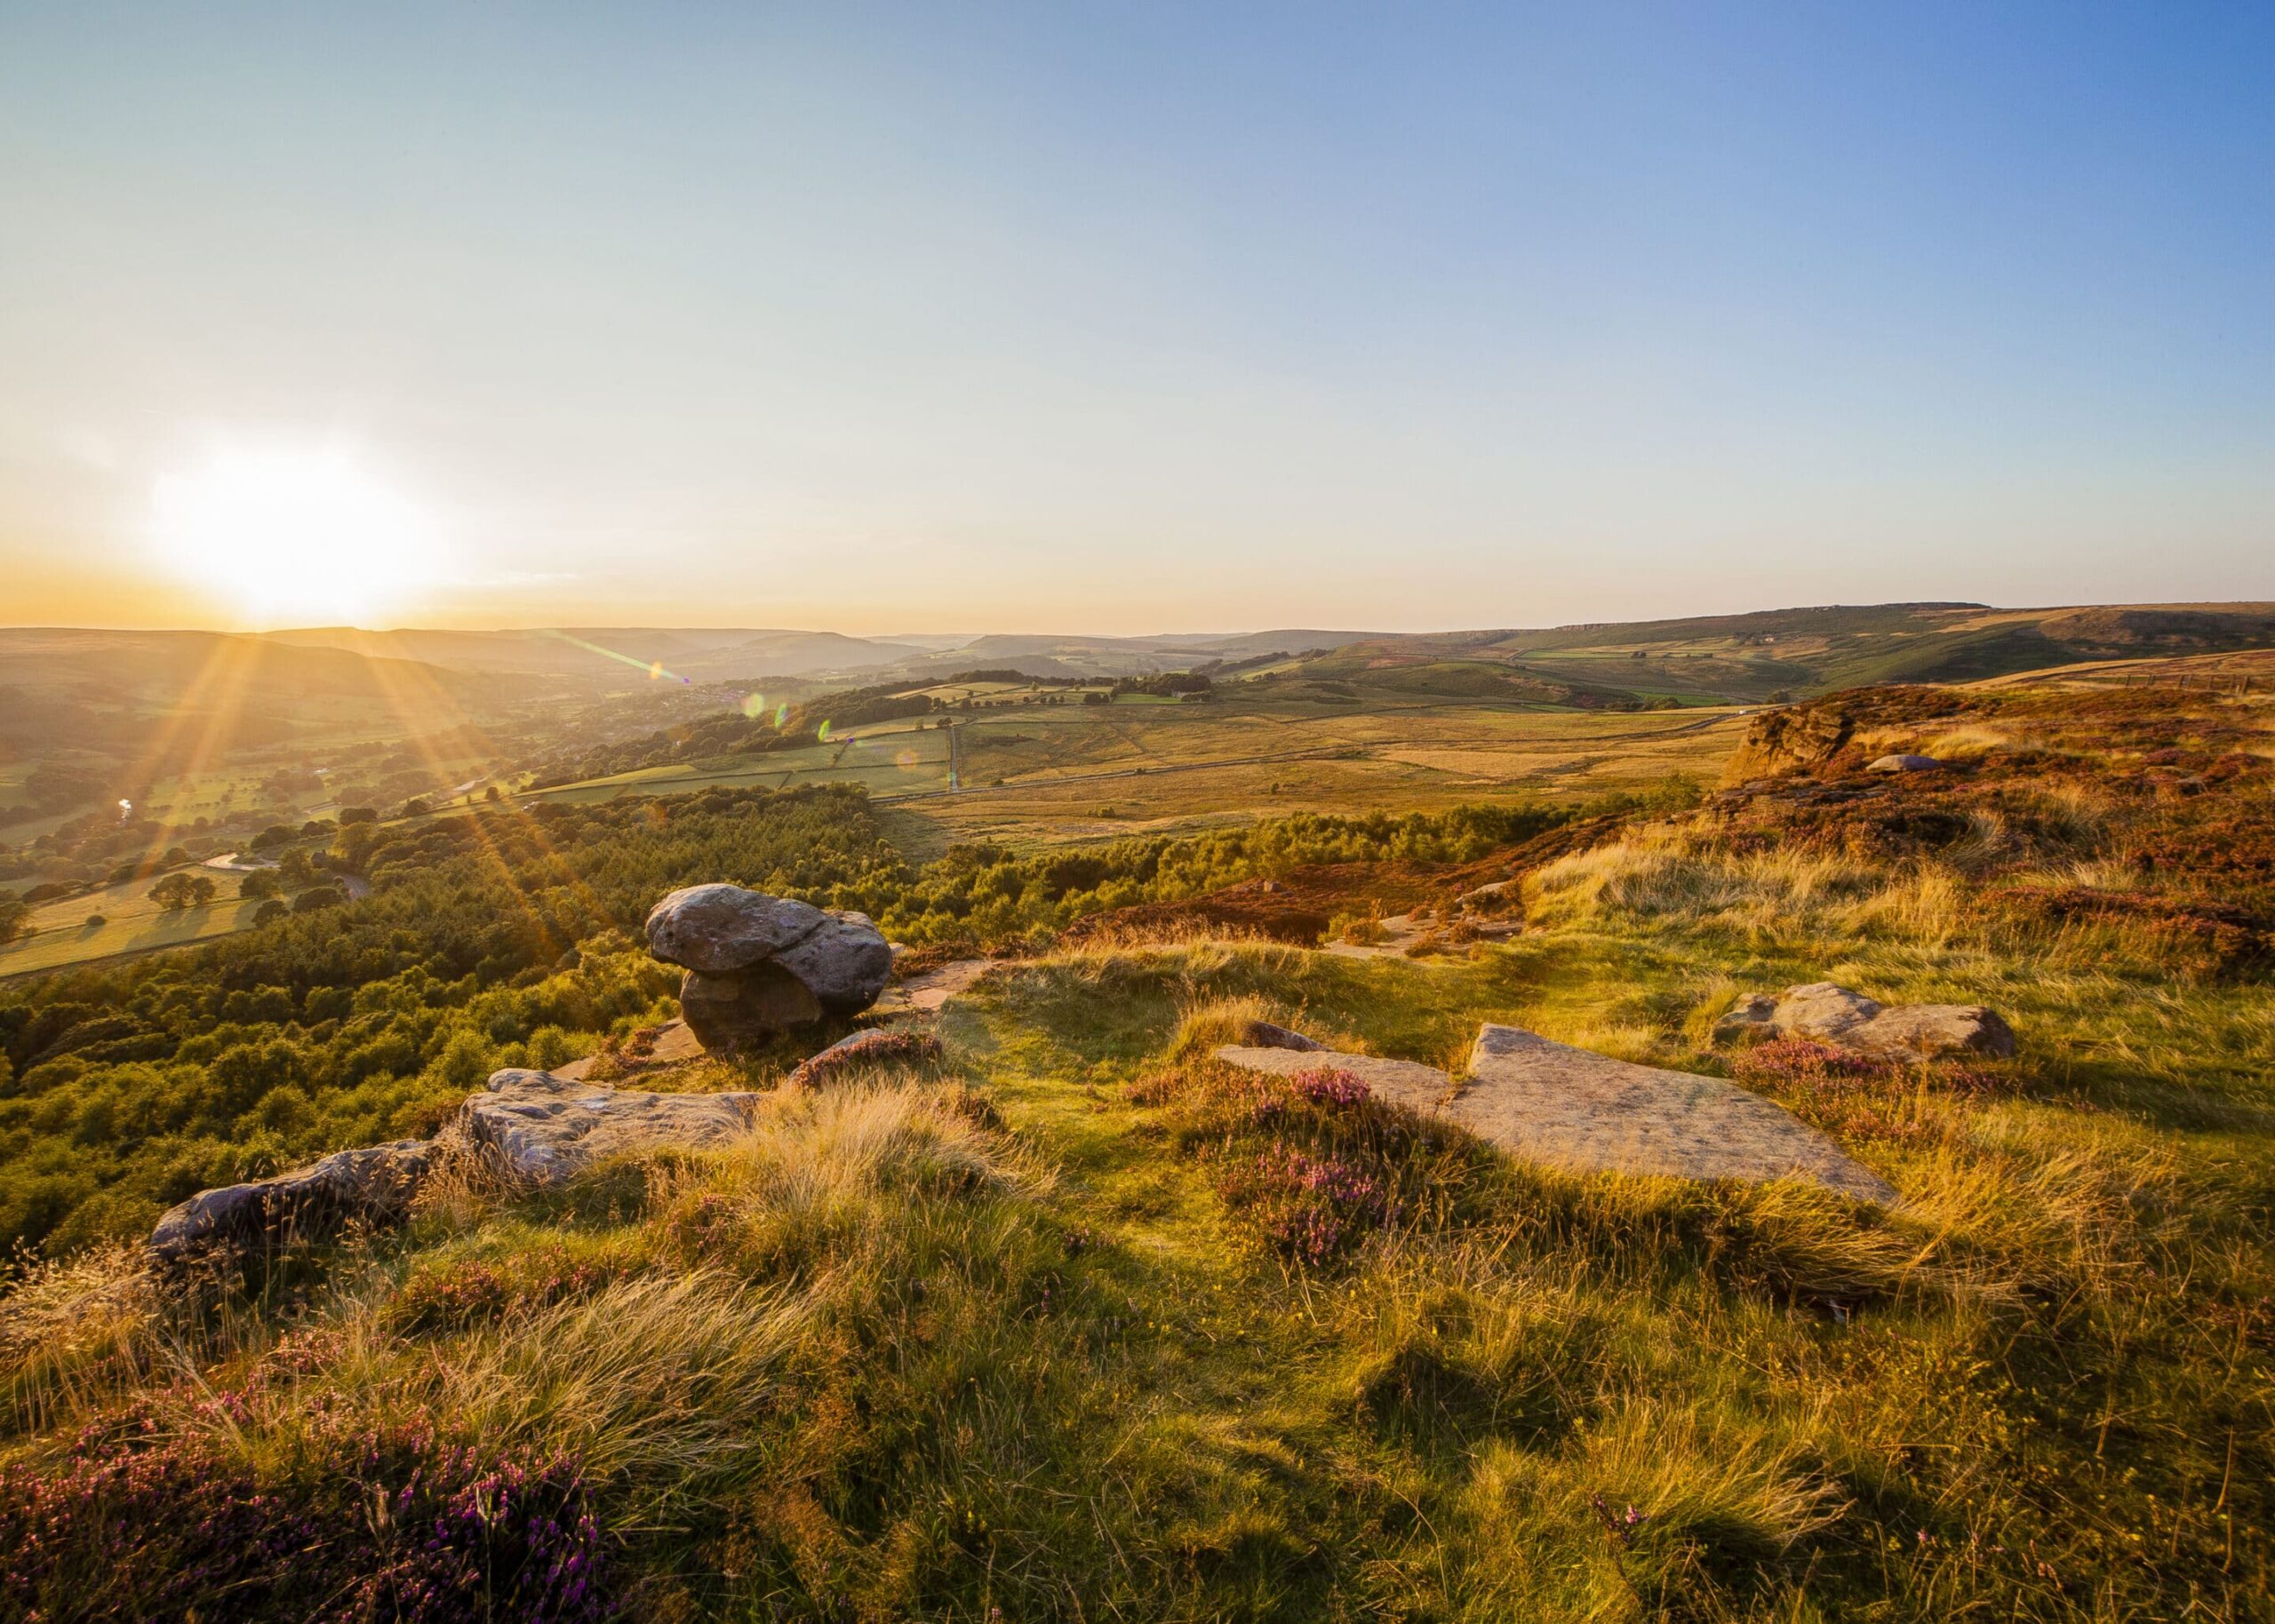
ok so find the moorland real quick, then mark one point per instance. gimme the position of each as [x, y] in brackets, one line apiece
[1074, 1320]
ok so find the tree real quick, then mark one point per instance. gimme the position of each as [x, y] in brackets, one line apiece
[14, 911]
[177, 891]
[258, 887]
[270, 911]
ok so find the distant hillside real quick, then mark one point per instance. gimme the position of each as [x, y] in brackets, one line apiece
[607, 655]
[1748, 657]
[1777, 652]
[163, 669]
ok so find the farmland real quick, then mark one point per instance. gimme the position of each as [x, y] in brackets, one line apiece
[1044, 774]
[61, 933]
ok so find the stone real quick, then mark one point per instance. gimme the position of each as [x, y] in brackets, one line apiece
[1830, 1014]
[1930, 1032]
[844, 961]
[672, 1043]
[1821, 1010]
[1902, 764]
[1586, 1112]
[735, 1008]
[928, 991]
[1796, 739]
[541, 1129]
[719, 928]
[757, 965]
[1418, 1088]
[372, 1186]
[879, 1045]
[1268, 1035]
[1754, 1015]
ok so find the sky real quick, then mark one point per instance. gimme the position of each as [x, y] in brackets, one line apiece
[1132, 318]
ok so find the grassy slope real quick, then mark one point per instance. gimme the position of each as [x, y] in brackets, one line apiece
[1044, 1370]
[927, 1351]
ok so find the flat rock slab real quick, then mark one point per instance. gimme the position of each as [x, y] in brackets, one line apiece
[1408, 1083]
[926, 992]
[1587, 1112]
[544, 1128]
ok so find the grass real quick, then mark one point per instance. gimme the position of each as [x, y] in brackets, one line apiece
[1059, 773]
[887, 760]
[1089, 1326]
[1019, 1342]
[1183, 768]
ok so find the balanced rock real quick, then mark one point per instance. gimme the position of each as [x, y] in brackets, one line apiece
[1831, 1014]
[540, 1129]
[373, 1186]
[757, 965]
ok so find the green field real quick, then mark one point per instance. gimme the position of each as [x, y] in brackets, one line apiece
[1043, 774]
[133, 924]
[890, 759]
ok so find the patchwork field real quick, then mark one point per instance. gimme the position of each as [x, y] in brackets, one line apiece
[892, 759]
[1046, 773]
[1048, 777]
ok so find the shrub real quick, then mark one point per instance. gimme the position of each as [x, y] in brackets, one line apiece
[393, 1523]
[1311, 1208]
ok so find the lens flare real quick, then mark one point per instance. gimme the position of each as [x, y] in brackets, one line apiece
[754, 706]
[822, 733]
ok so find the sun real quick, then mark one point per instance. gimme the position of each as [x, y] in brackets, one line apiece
[296, 536]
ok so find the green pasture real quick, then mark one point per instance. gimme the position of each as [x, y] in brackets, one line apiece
[133, 924]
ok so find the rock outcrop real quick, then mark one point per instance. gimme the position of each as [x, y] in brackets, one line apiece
[1902, 764]
[1792, 740]
[534, 1128]
[1583, 1112]
[373, 1187]
[1833, 1015]
[758, 965]
[1271, 1035]
[879, 1045]
[1587, 1112]
[540, 1129]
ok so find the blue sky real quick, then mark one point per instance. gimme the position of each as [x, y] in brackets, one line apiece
[1145, 318]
